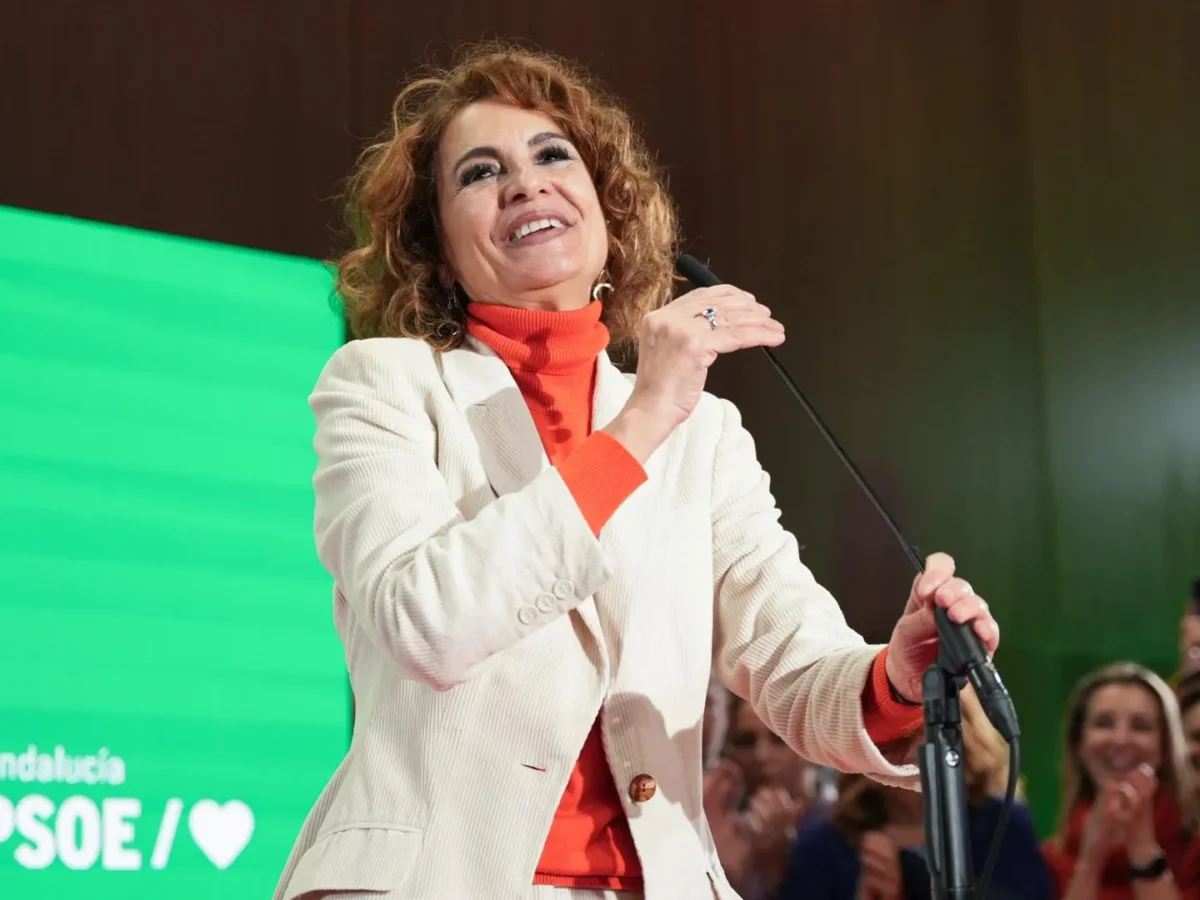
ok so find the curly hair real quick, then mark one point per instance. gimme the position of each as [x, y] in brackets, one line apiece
[1176, 767]
[393, 283]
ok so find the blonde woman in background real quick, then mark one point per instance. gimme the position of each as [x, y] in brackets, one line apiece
[1129, 811]
[871, 847]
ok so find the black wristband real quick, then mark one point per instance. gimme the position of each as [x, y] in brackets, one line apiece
[896, 695]
[1151, 871]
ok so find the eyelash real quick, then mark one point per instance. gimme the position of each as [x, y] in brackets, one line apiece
[551, 153]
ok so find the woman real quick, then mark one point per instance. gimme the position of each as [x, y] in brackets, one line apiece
[1129, 806]
[1188, 692]
[1189, 641]
[756, 800]
[536, 557]
[872, 845]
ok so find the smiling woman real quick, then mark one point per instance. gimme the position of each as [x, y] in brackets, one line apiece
[540, 251]
[1129, 809]
[535, 556]
[465, 148]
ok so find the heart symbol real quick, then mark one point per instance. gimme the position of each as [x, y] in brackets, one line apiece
[222, 832]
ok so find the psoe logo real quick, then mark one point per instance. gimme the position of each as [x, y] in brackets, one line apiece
[81, 833]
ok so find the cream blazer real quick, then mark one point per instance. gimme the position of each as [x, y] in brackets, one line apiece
[485, 626]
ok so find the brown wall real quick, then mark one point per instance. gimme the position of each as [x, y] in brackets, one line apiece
[978, 220]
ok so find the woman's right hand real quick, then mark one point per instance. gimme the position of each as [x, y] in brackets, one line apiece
[881, 878]
[1100, 833]
[675, 349]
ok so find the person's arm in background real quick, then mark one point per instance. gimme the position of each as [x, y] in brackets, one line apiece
[1021, 867]
[1133, 813]
[821, 866]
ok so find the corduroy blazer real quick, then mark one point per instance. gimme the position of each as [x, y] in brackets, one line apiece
[485, 626]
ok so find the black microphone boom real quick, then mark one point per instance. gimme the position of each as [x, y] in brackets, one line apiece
[695, 272]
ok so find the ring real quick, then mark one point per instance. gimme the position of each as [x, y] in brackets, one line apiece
[711, 314]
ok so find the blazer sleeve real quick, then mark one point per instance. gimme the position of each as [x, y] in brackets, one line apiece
[438, 593]
[781, 640]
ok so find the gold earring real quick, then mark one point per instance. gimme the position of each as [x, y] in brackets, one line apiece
[602, 285]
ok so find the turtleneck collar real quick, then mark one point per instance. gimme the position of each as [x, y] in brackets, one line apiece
[552, 342]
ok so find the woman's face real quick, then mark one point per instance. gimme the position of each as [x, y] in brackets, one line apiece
[1122, 729]
[761, 754]
[1189, 643]
[520, 220]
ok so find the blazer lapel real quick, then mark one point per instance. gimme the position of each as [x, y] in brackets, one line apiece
[482, 387]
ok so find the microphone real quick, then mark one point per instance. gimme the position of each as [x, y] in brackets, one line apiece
[961, 651]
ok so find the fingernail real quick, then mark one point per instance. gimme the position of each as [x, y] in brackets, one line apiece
[1146, 770]
[967, 589]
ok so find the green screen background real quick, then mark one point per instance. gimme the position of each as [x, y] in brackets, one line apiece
[159, 593]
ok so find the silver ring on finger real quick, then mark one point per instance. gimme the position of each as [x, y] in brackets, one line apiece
[709, 313]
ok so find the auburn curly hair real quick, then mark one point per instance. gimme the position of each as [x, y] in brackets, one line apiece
[394, 284]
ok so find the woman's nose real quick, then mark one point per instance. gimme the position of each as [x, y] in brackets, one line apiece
[1124, 737]
[524, 183]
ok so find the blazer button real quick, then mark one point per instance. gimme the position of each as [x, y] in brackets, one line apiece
[642, 788]
[564, 589]
[546, 602]
[526, 615]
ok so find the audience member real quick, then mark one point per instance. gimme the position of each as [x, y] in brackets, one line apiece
[871, 846]
[756, 799]
[1188, 693]
[1189, 641]
[1129, 810]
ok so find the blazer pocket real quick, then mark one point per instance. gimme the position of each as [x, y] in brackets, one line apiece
[372, 858]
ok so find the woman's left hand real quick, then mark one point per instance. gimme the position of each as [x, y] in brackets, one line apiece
[1135, 813]
[771, 819]
[914, 644]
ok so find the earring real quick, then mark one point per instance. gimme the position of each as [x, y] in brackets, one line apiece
[602, 285]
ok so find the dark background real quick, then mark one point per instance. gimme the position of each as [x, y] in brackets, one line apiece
[980, 221]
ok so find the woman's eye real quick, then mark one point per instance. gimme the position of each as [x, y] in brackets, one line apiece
[474, 173]
[553, 153]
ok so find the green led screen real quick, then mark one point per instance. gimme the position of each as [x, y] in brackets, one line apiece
[174, 695]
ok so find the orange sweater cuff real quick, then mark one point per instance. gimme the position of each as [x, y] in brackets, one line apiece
[600, 474]
[886, 718]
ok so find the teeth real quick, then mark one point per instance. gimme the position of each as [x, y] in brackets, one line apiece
[536, 225]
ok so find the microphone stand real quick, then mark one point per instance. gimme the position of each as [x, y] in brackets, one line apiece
[942, 762]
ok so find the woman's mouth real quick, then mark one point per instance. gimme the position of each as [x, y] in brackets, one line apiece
[1120, 764]
[537, 230]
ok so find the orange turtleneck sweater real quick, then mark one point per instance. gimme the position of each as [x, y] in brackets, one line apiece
[552, 357]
